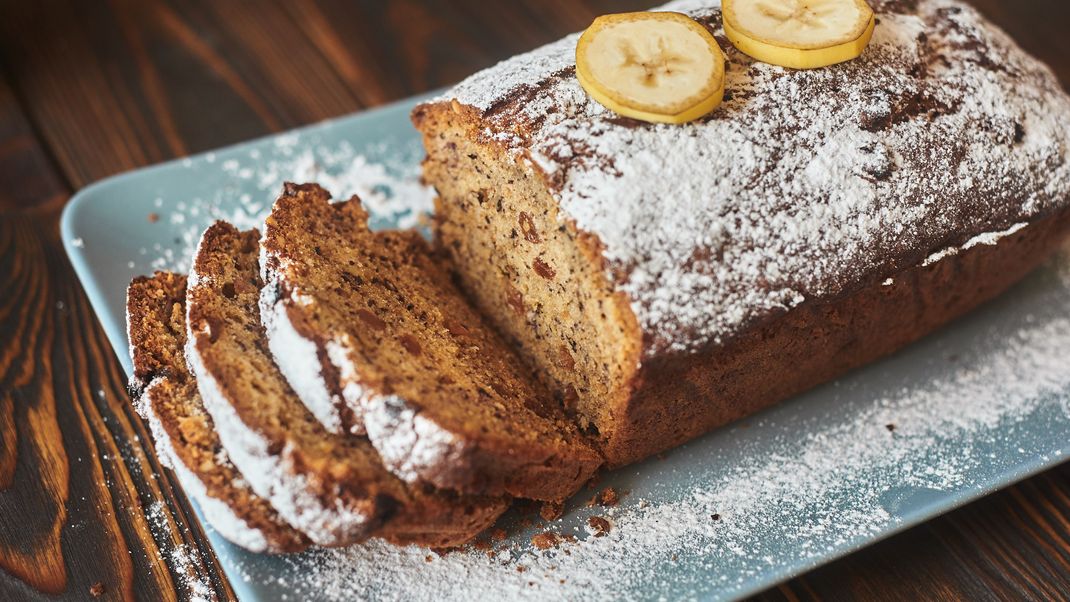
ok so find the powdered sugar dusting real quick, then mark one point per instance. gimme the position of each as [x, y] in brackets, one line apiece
[297, 358]
[807, 479]
[217, 511]
[391, 190]
[987, 238]
[802, 183]
[411, 445]
[184, 558]
[338, 353]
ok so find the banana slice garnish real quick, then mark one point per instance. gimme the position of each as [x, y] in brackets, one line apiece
[660, 67]
[801, 34]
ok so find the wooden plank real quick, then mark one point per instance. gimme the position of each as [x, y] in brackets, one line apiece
[118, 85]
[20, 153]
[83, 502]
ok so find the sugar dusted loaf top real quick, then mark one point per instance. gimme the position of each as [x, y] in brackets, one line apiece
[803, 185]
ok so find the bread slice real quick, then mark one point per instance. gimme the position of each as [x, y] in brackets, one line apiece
[332, 487]
[443, 399]
[167, 398]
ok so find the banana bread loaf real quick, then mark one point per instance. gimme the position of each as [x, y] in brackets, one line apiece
[372, 319]
[668, 279]
[167, 398]
[332, 487]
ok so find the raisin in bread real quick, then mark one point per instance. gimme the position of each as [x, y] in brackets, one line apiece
[667, 279]
[332, 487]
[167, 398]
[370, 323]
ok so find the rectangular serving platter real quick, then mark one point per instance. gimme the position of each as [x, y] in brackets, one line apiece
[979, 405]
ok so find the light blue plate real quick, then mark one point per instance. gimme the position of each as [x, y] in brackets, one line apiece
[975, 407]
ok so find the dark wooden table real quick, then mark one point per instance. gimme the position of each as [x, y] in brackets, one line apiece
[90, 88]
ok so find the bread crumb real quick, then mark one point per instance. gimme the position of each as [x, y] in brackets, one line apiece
[97, 589]
[551, 511]
[497, 534]
[600, 525]
[154, 217]
[545, 541]
[607, 498]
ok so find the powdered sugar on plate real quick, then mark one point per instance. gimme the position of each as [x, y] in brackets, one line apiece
[850, 461]
[391, 190]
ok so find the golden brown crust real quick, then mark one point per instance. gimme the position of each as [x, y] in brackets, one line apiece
[150, 303]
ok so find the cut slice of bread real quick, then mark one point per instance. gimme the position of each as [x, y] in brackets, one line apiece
[167, 398]
[332, 487]
[377, 318]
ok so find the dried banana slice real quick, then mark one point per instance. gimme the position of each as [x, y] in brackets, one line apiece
[660, 67]
[801, 34]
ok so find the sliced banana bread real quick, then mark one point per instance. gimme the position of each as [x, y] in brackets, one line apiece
[332, 487]
[167, 398]
[441, 396]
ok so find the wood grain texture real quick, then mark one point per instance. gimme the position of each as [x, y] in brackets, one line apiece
[91, 89]
[82, 499]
